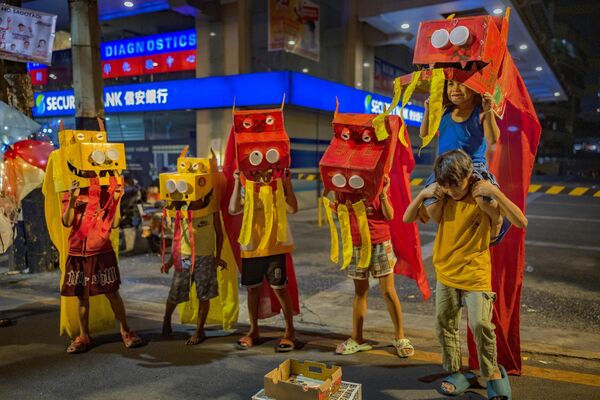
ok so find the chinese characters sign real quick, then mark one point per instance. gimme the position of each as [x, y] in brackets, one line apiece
[294, 27]
[26, 35]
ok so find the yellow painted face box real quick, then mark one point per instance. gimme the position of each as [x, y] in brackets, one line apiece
[84, 155]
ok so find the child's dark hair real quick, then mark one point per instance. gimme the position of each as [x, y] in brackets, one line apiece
[452, 167]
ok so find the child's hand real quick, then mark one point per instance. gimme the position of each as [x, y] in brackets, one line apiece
[386, 185]
[486, 102]
[74, 190]
[221, 264]
[166, 267]
[483, 188]
[236, 175]
[426, 104]
[433, 190]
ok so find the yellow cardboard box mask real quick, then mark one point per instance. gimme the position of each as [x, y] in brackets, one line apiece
[86, 154]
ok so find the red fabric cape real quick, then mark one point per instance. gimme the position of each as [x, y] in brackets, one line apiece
[512, 164]
[405, 237]
[268, 304]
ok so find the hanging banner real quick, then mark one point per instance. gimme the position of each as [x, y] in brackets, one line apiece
[26, 35]
[294, 27]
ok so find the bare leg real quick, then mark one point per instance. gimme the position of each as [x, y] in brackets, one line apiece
[253, 299]
[359, 309]
[116, 303]
[166, 328]
[199, 336]
[285, 300]
[84, 316]
[388, 291]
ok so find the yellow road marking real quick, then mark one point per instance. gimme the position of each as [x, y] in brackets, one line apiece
[300, 176]
[416, 181]
[311, 177]
[530, 371]
[555, 190]
[578, 191]
[597, 194]
[534, 188]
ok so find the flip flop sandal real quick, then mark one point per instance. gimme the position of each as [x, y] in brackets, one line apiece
[460, 383]
[351, 346]
[244, 343]
[499, 389]
[131, 339]
[79, 345]
[404, 348]
[285, 345]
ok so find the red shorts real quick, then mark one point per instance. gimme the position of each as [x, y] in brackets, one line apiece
[91, 275]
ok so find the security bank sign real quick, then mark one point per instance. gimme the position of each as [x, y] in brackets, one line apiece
[412, 115]
[115, 100]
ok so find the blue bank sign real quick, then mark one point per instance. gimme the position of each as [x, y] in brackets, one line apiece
[147, 45]
[259, 89]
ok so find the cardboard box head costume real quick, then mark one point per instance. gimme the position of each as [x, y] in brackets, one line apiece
[86, 159]
[355, 164]
[194, 191]
[263, 157]
[473, 51]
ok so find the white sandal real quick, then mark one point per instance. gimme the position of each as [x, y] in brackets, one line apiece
[351, 346]
[404, 348]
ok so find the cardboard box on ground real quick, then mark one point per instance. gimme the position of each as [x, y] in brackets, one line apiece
[308, 380]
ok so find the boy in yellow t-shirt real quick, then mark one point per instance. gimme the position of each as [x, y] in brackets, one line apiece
[462, 262]
[208, 243]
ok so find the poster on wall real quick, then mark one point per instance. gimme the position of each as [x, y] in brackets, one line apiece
[294, 27]
[26, 35]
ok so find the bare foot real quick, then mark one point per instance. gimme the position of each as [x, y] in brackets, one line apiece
[195, 339]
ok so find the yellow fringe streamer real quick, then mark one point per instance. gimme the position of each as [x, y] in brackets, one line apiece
[405, 99]
[435, 104]
[334, 252]
[246, 230]
[344, 218]
[379, 121]
[365, 236]
[281, 210]
[265, 194]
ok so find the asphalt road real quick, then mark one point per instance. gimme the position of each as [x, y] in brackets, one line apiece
[560, 319]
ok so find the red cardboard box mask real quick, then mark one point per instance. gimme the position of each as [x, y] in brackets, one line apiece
[355, 161]
[261, 141]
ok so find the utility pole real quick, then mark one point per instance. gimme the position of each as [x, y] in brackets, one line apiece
[87, 76]
[32, 249]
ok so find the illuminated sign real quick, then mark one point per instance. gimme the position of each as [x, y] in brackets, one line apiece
[169, 62]
[258, 89]
[147, 45]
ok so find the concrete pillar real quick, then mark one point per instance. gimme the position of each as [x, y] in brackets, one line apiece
[87, 74]
[223, 48]
[353, 47]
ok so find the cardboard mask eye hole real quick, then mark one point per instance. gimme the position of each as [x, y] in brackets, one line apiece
[247, 123]
[99, 136]
[112, 154]
[255, 158]
[270, 120]
[440, 39]
[366, 136]
[272, 156]
[201, 181]
[195, 166]
[171, 186]
[80, 136]
[459, 36]
[338, 180]
[98, 157]
[345, 134]
[182, 165]
[356, 182]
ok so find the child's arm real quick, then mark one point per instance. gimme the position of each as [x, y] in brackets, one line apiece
[386, 207]
[434, 210]
[68, 215]
[507, 207]
[219, 238]
[490, 126]
[290, 196]
[235, 202]
[117, 220]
